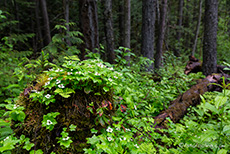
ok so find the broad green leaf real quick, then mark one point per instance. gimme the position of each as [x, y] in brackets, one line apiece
[226, 129]
[220, 100]
[222, 151]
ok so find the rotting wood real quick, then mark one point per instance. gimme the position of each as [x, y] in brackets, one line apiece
[191, 97]
[194, 65]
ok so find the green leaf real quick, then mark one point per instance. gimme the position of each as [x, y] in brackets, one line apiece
[220, 100]
[226, 129]
[222, 151]
[105, 89]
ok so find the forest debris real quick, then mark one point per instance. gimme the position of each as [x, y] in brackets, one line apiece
[194, 65]
[191, 97]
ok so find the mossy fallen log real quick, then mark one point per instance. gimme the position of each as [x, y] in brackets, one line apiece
[191, 97]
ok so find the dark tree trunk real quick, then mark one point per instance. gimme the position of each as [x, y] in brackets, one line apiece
[66, 15]
[127, 26]
[45, 16]
[89, 25]
[39, 37]
[148, 28]
[121, 23]
[160, 40]
[109, 30]
[210, 36]
[197, 28]
[228, 14]
[179, 24]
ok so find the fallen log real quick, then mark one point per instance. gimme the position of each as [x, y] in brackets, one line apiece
[191, 97]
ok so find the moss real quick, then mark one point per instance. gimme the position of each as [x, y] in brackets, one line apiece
[73, 110]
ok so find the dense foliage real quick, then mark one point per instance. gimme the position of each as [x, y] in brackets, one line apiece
[53, 102]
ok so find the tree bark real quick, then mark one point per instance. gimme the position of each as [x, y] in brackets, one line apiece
[160, 40]
[46, 22]
[121, 23]
[210, 37]
[127, 26]
[89, 25]
[39, 36]
[109, 30]
[148, 29]
[197, 28]
[228, 14]
[179, 24]
[66, 15]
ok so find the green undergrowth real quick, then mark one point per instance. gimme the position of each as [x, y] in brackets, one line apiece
[115, 104]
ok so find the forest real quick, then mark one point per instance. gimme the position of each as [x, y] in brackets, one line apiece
[114, 76]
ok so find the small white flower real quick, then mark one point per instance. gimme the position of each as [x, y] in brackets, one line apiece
[117, 128]
[89, 65]
[136, 146]
[131, 139]
[34, 91]
[51, 78]
[6, 138]
[120, 139]
[110, 130]
[127, 129]
[16, 106]
[61, 86]
[48, 122]
[119, 74]
[51, 69]
[110, 79]
[135, 107]
[204, 129]
[47, 83]
[71, 70]
[58, 81]
[66, 138]
[89, 72]
[110, 68]
[115, 77]
[78, 72]
[69, 63]
[97, 73]
[109, 139]
[69, 73]
[48, 96]
[124, 138]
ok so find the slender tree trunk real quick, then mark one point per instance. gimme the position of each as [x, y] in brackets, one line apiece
[179, 23]
[210, 36]
[197, 28]
[46, 22]
[17, 13]
[109, 30]
[89, 25]
[127, 26]
[39, 37]
[160, 40]
[66, 15]
[148, 29]
[121, 23]
[228, 14]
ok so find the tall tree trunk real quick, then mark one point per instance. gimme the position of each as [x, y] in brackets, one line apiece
[89, 25]
[210, 36]
[148, 29]
[66, 15]
[160, 40]
[46, 22]
[179, 24]
[121, 23]
[197, 28]
[127, 26]
[109, 30]
[228, 14]
[39, 36]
